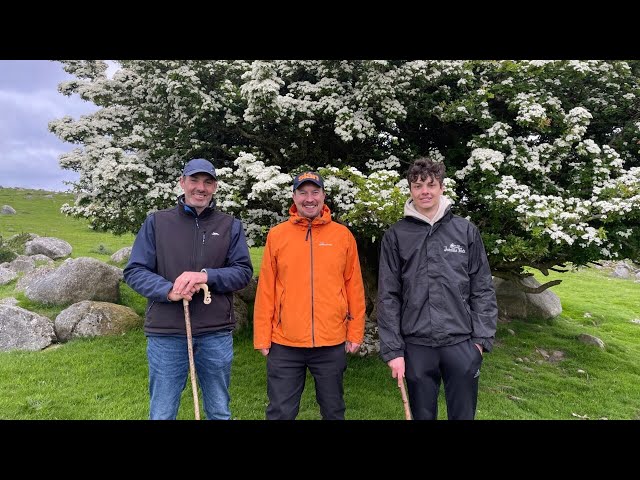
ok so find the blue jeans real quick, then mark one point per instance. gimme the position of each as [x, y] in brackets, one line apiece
[169, 368]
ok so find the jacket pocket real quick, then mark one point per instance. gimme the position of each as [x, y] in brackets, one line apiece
[344, 306]
[456, 317]
[148, 318]
[405, 301]
[467, 307]
[407, 324]
[280, 306]
[230, 302]
[151, 303]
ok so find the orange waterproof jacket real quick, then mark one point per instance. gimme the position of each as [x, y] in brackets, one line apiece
[310, 291]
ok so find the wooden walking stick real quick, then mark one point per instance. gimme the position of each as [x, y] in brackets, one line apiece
[192, 367]
[405, 402]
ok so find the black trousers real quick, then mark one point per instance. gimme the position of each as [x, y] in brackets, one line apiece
[286, 373]
[458, 365]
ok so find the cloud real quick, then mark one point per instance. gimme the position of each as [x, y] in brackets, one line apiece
[35, 103]
[26, 166]
[29, 100]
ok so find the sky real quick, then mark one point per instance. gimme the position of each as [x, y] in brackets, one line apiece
[29, 100]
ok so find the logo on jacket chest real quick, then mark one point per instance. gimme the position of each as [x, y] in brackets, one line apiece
[454, 248]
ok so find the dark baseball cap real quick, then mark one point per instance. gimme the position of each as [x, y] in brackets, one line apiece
[312, 177]
[199, 165]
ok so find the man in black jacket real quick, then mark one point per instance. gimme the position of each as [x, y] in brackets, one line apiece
[176, 250]
[437, 309]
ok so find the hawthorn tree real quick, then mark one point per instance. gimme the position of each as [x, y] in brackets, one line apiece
[542, 155]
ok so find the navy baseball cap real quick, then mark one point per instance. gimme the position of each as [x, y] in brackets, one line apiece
[199, 165]
[312, 177]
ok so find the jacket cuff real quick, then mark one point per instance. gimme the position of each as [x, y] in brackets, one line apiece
[391, 355]
[487, 343]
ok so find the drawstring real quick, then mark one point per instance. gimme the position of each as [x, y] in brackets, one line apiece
[308, 232]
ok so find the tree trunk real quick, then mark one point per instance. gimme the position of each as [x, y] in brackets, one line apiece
[369, 253]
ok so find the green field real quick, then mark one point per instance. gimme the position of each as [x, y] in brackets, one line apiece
[106, 378]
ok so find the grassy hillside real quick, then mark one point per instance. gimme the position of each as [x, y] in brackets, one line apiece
[38, 211]
[106, 378]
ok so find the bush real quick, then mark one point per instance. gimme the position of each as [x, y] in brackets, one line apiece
[6, 254]
[17, 242]
[102, 249]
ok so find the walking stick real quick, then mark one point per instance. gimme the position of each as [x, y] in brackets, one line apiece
[405, 402]
[192, 367]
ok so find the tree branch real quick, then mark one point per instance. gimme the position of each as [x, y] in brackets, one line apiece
[517, 281]
[261, 142]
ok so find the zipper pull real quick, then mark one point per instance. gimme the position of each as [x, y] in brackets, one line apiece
[203, 235]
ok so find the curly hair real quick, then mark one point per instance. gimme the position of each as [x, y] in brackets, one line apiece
[424, 168]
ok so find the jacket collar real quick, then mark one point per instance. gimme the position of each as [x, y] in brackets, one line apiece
[185, 209]
[297, 219]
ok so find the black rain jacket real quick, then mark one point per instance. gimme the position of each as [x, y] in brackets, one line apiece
[435, 286]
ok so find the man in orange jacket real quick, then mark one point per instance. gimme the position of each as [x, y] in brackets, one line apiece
[309, 308]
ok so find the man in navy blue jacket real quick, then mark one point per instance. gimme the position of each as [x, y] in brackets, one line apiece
[176, 250]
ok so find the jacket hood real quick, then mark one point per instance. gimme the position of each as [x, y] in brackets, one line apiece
[443, 205]
[296, 218]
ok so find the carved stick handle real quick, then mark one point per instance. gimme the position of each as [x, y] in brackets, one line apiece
[207, 294]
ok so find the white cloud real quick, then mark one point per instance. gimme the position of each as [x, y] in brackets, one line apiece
[34, 168]
[34, 102]
[29, 100]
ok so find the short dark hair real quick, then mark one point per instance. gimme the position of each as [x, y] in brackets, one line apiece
[424, 168]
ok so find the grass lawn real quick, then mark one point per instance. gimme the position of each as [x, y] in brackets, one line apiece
[106, 378]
